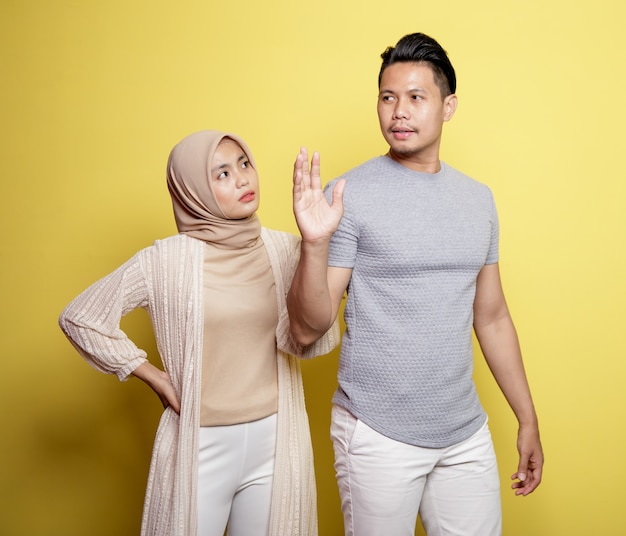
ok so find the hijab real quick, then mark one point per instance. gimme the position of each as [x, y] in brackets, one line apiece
[237, 278]
[196, 210]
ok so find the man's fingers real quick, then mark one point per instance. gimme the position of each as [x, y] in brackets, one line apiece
[301, 172]
[338, 192]
[315, 171]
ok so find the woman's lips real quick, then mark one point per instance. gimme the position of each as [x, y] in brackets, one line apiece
[247, 197]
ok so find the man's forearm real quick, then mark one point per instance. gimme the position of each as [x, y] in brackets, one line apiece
[502, 352]
[309, 301]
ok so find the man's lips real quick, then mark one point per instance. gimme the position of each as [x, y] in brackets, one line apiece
[247, 197]
[401, 133]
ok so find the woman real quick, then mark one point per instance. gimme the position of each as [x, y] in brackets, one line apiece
[215, 293]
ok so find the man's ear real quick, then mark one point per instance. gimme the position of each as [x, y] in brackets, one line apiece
[449, 106]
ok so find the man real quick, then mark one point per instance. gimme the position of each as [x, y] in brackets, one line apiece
[415, 245]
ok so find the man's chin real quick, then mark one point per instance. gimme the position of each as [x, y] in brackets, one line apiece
[402, 151]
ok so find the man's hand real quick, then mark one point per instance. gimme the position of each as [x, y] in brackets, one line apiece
[529, 470]
[316, 218]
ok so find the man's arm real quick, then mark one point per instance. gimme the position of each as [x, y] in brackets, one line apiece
[499, 343]
[314, 298]
[316, 290]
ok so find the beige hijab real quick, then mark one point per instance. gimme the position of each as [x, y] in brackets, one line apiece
[196, 209]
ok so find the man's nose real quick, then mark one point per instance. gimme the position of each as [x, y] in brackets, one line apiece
[400, 110]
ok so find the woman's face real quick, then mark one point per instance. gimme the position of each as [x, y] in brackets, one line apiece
[235, 182]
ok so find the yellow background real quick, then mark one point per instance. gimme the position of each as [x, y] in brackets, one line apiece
[94, 95]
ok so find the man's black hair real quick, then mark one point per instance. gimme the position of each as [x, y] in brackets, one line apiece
[420, 48]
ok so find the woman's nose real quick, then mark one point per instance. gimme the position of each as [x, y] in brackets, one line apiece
[242, 180]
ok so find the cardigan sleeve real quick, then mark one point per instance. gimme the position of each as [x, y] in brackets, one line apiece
[92, 320]
[323, 345]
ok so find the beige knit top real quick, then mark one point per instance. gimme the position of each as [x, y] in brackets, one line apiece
[239, 369]
[166, 280]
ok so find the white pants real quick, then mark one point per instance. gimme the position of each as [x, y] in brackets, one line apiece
[384, 483]
[235, 474]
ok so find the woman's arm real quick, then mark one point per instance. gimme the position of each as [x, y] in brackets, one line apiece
[159, 381]
[92, 320]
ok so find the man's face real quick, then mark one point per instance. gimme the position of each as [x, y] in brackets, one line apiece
[411, 112]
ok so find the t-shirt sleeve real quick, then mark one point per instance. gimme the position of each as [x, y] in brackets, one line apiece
[493, 255]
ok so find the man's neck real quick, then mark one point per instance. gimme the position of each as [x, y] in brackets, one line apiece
[416, 164]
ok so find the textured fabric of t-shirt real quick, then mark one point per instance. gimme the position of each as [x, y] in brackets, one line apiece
[415, 243]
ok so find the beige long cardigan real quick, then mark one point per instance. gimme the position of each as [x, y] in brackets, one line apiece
[166, 280]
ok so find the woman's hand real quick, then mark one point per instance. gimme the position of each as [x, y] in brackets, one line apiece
[159, 381]
[316, 218]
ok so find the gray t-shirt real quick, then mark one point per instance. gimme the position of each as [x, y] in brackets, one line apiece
[415, 243]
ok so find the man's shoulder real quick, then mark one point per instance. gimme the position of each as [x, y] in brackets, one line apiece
[370, 169]
[461, 178]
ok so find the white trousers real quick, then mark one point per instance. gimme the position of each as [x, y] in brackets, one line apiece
[384, 483]
[235, 475]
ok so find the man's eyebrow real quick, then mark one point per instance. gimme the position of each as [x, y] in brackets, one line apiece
[417, 90]
[411, 90]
